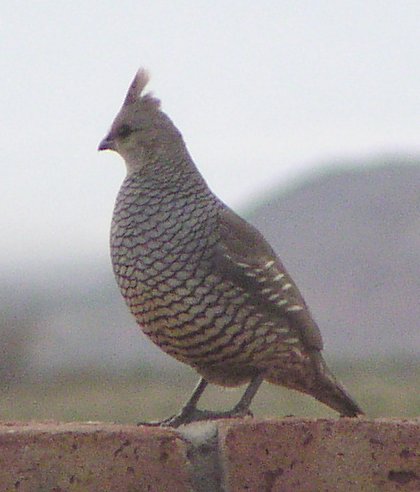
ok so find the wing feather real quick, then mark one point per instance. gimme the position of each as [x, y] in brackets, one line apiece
[244, 257]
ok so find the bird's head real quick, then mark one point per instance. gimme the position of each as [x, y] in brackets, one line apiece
[140, 128]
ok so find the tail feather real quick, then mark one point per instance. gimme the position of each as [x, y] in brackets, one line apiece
[327, 389]
[317, 380]
[335, 396]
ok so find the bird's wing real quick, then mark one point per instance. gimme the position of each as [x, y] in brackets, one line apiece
[244, 257]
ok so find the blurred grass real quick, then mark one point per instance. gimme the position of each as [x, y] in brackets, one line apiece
[384, 388]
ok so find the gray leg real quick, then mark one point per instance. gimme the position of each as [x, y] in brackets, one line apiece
[196, 394]
[190, 413]
[187, 410]
[244, 403]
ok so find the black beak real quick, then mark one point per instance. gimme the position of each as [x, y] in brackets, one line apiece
[107, 144]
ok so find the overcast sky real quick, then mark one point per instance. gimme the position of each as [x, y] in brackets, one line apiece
[262, 91]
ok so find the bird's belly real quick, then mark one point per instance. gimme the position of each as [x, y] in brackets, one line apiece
[204, 321]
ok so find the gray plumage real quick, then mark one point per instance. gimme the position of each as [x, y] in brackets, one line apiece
[202, 283]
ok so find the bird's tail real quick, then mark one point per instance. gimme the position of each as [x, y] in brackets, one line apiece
[330, 391]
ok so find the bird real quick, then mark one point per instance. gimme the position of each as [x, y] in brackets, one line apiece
[202, 283]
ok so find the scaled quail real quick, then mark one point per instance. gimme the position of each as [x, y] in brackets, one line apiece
[202, 283]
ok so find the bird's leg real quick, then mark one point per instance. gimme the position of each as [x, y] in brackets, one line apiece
[190, 412]
[242, 407]
[187, 410]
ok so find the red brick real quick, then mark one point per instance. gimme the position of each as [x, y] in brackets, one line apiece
[321, 455]
[91, 457]
[288, 455]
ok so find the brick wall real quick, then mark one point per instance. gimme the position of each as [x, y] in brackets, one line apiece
[237, 455]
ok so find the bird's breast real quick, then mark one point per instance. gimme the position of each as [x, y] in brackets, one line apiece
[160, 246]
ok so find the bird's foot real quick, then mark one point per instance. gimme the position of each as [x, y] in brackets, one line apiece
[188, 415]
[200, 415]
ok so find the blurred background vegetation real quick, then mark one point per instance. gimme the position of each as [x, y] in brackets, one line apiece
[383, 387]
[350, 238]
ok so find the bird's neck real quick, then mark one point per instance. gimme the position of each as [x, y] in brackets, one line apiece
[166, 166]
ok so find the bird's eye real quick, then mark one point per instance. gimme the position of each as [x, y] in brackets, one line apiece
[124, 131]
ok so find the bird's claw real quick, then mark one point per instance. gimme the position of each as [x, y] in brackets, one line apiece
[187, 416]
